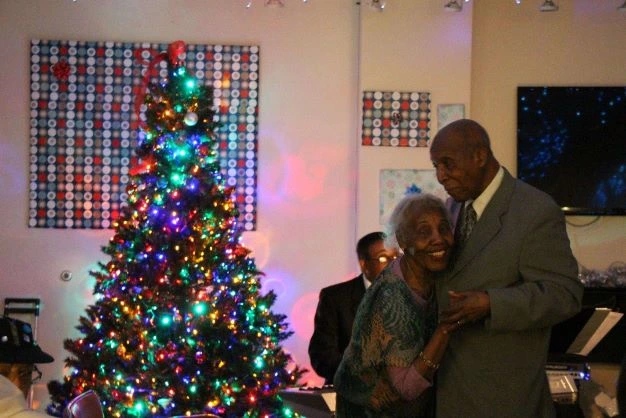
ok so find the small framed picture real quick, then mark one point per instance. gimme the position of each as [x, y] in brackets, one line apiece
[395, 184]
[396, 119]
[447, 113]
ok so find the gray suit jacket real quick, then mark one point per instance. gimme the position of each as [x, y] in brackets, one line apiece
[520, 254]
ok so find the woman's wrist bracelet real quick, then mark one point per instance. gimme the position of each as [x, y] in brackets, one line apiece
[427, 362]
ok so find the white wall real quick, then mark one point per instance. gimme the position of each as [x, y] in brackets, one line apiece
[411, 46]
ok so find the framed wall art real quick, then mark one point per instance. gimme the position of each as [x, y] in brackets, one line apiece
[84, 124]
[396, 119]
[447, 113]
[395, 184]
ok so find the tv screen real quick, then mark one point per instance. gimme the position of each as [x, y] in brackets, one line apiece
[571, 143]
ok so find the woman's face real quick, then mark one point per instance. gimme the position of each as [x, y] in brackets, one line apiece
[433, 242]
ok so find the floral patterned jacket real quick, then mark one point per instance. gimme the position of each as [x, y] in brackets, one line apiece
[391, 327]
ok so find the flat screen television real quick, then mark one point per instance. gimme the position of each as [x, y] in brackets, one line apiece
[571, 143]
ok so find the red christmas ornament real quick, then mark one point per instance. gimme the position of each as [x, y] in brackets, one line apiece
[161, 355]
[175, 50]
[241, 251]
[116, 395]
[61, 70]
[204, 150]
[141, 168]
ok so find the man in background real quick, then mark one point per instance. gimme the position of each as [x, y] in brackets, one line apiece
[513, 277]
[18, 354]
[338, 304]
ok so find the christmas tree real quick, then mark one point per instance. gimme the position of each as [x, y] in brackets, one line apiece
[179, 325]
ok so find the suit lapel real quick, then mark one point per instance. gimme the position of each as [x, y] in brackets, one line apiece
[358, 290]
[488, 226]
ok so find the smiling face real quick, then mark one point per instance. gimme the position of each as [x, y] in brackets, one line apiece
[432, 242]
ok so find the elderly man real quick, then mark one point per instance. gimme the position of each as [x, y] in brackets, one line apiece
[513, 277]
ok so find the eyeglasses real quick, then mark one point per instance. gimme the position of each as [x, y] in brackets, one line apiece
[26, 371]
[383, 259]
[37, 374]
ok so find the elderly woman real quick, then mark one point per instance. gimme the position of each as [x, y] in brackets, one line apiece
[388, 367]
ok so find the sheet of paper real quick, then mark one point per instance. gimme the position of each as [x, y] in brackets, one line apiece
[596, 328]
[331, 400]
[560, 384]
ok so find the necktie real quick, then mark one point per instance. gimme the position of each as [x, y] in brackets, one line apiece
[468, 220]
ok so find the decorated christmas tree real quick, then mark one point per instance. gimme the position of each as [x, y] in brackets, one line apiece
[179, 325]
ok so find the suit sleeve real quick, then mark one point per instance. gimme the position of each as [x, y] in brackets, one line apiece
[548, 290]
[324, 345]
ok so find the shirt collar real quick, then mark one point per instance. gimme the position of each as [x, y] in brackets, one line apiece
[480, 203]
[366, 282]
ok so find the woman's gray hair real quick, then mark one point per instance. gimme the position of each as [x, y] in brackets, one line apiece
[401, 224]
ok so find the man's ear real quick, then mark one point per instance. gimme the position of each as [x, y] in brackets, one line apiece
[481, 156]
[362, 265]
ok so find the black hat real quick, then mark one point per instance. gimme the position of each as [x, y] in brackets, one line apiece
[17, 344]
